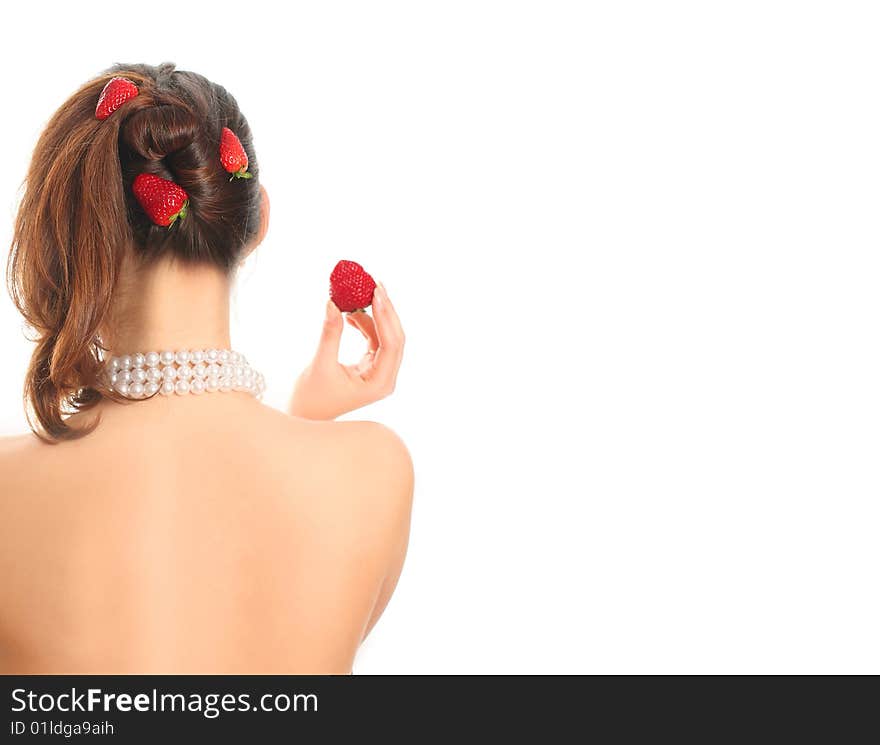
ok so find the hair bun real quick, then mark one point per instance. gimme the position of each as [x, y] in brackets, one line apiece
[155, 132]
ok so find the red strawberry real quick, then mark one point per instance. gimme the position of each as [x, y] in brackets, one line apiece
[115, 93]
[162, 200]
[232, 155]
[351, 288]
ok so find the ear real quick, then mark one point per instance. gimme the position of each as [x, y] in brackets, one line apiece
[264, 223]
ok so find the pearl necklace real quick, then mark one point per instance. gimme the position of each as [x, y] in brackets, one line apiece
[143, 375]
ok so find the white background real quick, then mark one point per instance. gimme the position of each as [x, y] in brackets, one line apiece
[635, 249]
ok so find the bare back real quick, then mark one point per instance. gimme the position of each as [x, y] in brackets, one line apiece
[199, 535]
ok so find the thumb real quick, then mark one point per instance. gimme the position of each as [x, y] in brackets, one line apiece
[331, 333]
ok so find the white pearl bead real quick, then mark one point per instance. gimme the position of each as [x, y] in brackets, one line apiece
[141, 375]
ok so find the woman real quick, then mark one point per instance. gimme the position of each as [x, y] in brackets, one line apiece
[147, 528]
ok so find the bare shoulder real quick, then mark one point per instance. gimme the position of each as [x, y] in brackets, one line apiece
[377, 448]
[371, 452]
[366, 460]
[12, 444]
[16, 452]
[362, 470]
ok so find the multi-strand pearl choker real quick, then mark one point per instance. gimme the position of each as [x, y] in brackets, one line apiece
[142, 375]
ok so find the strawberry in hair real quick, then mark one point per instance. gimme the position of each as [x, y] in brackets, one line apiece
[162, 200]
[115, 93]
[232, 155]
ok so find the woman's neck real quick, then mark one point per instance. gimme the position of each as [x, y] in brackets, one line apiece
[169, 305]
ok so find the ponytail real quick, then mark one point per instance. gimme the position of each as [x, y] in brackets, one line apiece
[69, 234]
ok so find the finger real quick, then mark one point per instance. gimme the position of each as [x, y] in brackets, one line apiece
[363, 323]
[388, 325]
[331, 333]
[388, 357]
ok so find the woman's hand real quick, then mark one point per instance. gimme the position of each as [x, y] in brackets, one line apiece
[326, 389]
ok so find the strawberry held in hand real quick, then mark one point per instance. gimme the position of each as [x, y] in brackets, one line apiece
[162, 200]
[351, 288]
[115, 93]
[232, 155]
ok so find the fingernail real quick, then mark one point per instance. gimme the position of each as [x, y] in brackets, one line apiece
[379, 295]
[331, 310]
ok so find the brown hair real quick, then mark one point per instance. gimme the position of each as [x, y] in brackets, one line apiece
[78, 217]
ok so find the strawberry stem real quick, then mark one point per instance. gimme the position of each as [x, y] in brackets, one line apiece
[181, 214]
